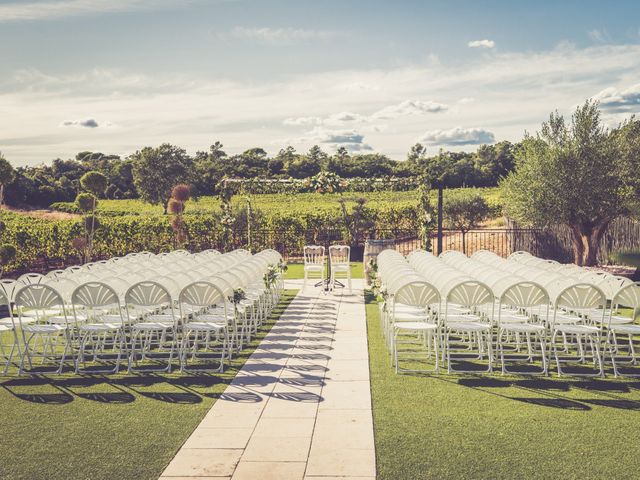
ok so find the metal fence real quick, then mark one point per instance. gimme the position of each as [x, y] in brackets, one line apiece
[290, 244]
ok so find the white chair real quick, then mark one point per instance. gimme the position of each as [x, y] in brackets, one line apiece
[619, 326]
[415, 324]
[154, 331]
[205, 327]
[40, 300]
[102, 332]
[8, 328]
[468, 336]
[578, 334]
[313, 263]
[526, 316]
[339, 264]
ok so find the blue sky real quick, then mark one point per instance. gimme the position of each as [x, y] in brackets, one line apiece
[117, 75]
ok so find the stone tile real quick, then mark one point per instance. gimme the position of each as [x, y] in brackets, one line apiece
[285, 427]
[341, 462]
[346, 395]
[204, 437]
[302, 401]
[195, 478]
[269, 471]
[199, 462]
[277, 449]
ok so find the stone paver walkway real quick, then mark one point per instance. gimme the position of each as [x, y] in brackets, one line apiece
[300, 408]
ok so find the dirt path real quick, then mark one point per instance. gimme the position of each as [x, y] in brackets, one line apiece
[44, 213]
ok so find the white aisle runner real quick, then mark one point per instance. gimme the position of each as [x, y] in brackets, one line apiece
[300, 408]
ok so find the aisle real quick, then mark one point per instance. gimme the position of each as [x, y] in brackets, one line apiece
[300, 408]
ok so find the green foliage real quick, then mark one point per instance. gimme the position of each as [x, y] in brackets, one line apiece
[426, 215]
[465, 210]
[7, 253]
[85, 202]
[327, 182]
[7, 175]
[157, 170]
[94, 182]
[578, 174]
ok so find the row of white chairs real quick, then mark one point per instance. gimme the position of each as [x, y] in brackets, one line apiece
[143, 308]
[482, 308]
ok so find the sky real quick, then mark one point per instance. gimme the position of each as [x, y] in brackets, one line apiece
[373, 76]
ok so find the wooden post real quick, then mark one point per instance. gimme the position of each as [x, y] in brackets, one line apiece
[439, 250]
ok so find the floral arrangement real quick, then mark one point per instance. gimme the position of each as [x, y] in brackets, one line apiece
[327, 182]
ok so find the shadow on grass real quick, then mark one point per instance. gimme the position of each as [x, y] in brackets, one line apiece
[176, 388]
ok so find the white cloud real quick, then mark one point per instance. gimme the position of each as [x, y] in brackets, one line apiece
[410, 107]
[88, 123]
[599, 36]
[512, 92]
[281, 36]
[52, 9]
[302, 121]
[352, 140]
[458, 136]
[481, 44]
[615, 100]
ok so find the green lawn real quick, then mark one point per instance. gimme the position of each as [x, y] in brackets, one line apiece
[296, 270]
[105, 427]
[495, 427]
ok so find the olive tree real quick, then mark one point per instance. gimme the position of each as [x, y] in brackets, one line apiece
[575, 173]
[157, 170]
[7, 175]
[465, 210]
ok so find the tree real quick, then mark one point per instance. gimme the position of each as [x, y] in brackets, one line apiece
[179, 196]
[581, 175]
[7, 175]
[425, 214]
[95, 184]
[157, 170]
[464, 211]
[417, 152]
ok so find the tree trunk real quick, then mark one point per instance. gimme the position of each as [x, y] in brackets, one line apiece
[464, 242]
[578, 246]
[165, 204]
[591, 241]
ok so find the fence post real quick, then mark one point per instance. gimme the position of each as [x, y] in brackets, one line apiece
[440, 220]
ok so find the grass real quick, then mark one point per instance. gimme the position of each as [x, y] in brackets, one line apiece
[495, 427]
[103, 427]
[296, 270]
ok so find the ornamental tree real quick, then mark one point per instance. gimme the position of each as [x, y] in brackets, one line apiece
[7, 175]
[464, 211]
[157, 170]
[579, 174]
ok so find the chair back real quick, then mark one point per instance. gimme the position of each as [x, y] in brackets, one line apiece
[339, 254]
[202, 294]
[417, 294]
[94, 295]
[147, 294]
[314, 255]
[628, 296]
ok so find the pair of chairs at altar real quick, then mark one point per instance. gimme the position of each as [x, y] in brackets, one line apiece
[338, 267]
